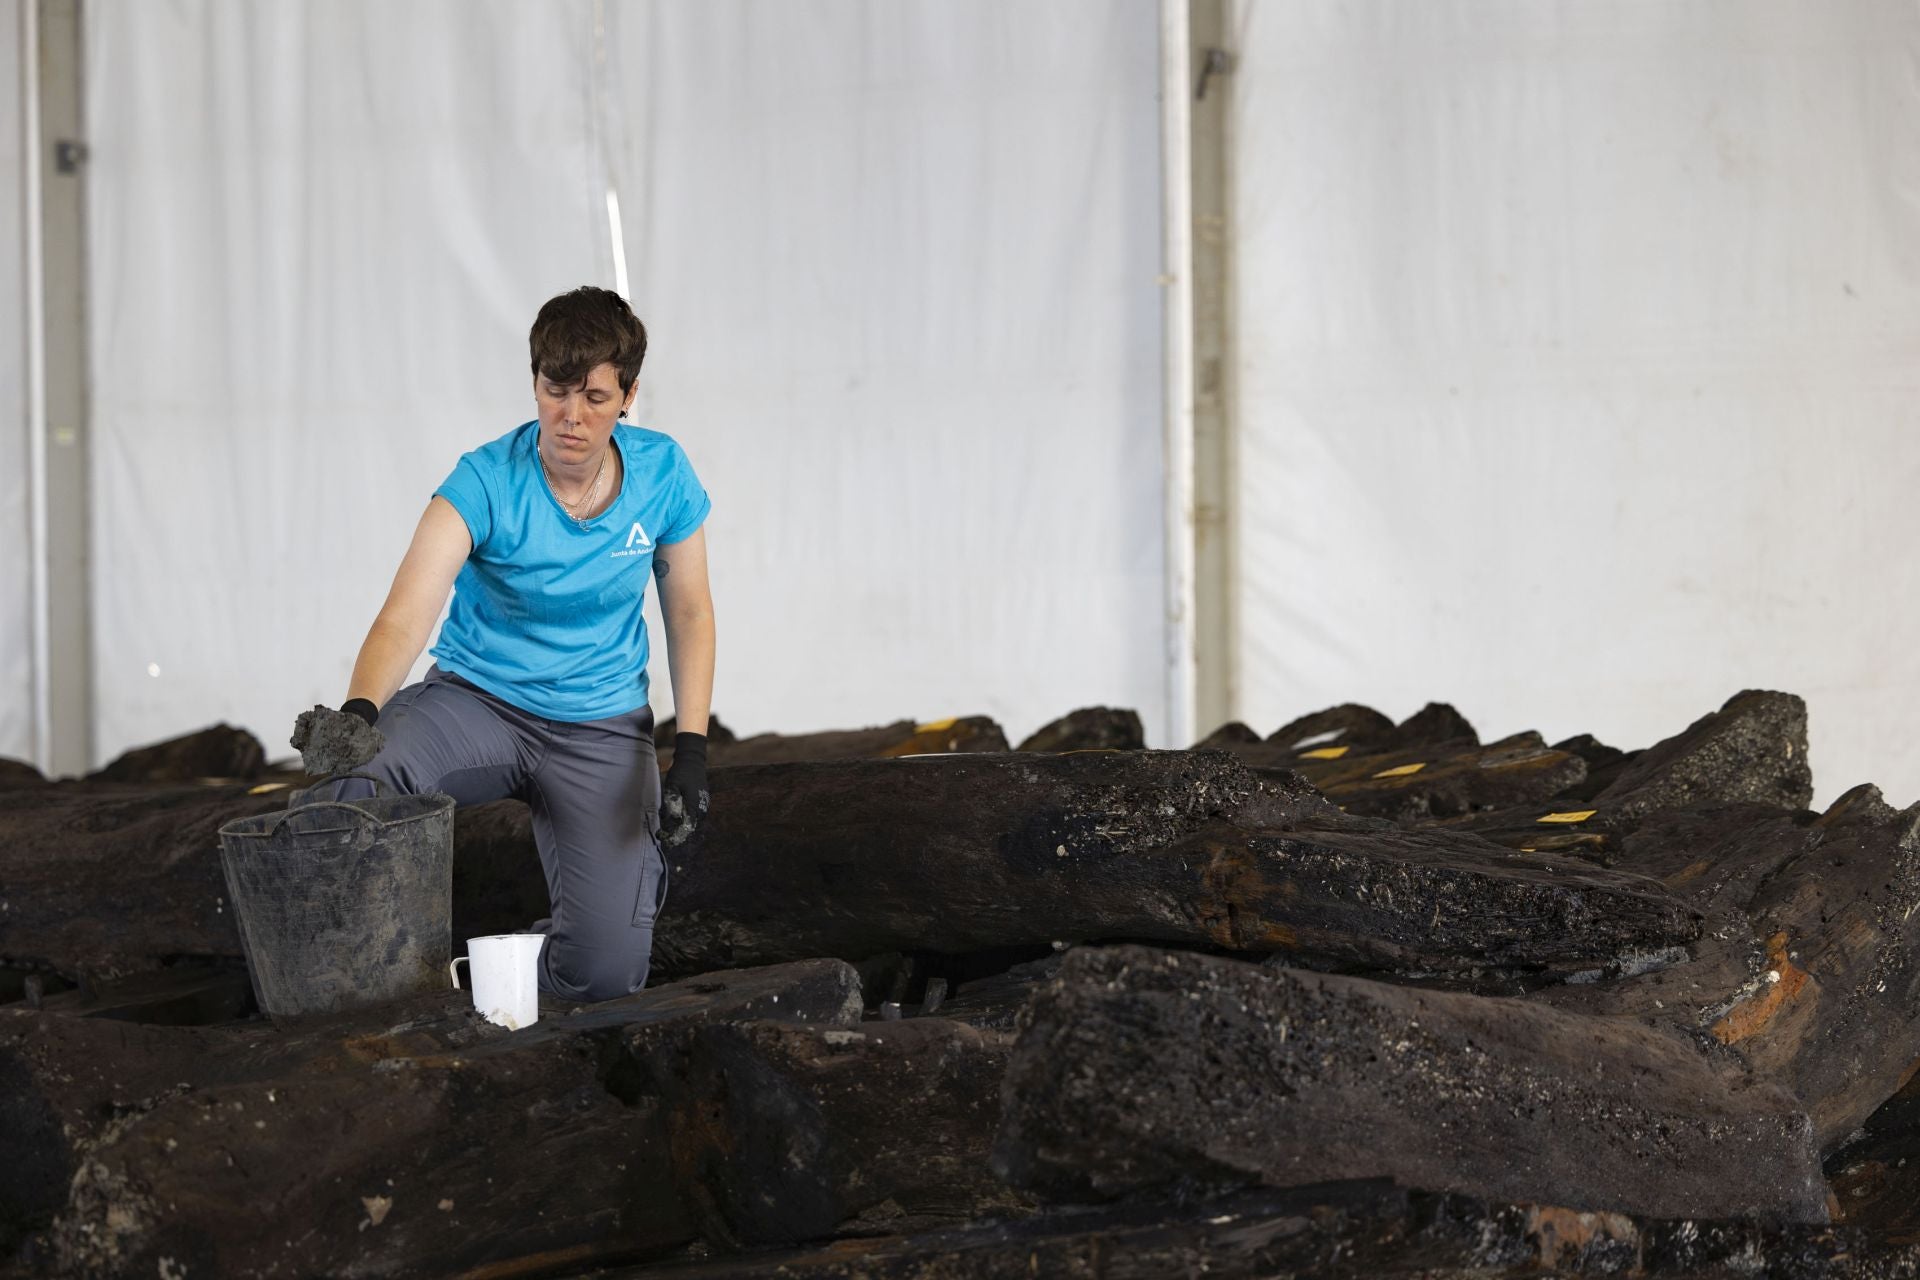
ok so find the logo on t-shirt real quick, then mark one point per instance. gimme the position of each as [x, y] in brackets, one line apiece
[638, 543]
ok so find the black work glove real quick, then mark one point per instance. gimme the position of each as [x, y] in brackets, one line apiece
[683, 792]
[340, 741]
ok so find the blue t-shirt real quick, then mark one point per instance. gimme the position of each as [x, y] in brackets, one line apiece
[546, 614]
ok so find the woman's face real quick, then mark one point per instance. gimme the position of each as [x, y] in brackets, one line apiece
[577, 421]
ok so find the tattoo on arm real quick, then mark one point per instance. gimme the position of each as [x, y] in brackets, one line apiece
[661, 568]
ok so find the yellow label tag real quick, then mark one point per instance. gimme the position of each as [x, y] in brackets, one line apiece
[1578, 815]
[266, 787]
[935, 726]
[1401, 772]
[1325, 753]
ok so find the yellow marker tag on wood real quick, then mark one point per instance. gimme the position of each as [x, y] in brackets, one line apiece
[267, 787]
[1401, 772]
[935, 726]
[1578, 815]
[1325, 753]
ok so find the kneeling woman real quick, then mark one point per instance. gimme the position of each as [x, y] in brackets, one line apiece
[547, 537]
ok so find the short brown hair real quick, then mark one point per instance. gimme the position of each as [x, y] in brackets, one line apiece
[577, 332]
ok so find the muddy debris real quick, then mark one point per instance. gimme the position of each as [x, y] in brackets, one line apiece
[331, 742]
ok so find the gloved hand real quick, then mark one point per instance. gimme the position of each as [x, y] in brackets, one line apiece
[683, 792]
[340, 741]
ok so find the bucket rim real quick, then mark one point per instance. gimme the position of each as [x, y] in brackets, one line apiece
[270, 823]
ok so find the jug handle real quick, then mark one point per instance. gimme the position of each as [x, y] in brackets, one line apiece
[453, 970]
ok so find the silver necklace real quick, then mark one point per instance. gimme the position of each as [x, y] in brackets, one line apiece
[582, 504]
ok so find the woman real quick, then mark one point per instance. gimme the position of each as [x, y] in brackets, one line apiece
[546, 538]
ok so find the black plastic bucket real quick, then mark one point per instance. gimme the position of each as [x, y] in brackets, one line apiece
[343, 903]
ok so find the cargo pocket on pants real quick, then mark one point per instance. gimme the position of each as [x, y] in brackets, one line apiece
[653, 877]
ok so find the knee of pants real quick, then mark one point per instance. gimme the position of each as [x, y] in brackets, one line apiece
[603, 968]
[390, 779]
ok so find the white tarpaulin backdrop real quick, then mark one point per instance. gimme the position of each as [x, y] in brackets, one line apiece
[1579, 364]
[899, 266]
[1577, 345]
[16, 534]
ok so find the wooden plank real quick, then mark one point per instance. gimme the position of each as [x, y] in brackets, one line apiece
[1350, 1229]
[1752, 750]
[264, 1150]
[973, 852]
[784, 1134]
[1140, 1069]
[953, 854]
[882, 742]
[1089, 729]
[1809, 962]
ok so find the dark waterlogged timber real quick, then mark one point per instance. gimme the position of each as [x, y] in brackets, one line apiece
[1753, 750]
[220, 751]
[1138, 1068]
[1809, 962]
[1089, 729]
[964, 853]
[882, 742]
[1875, 1174]
[412, 1138]
[786, 1133]
[1350, 1229]
[950, 854]
[101, 882]
[1413, 784]
[1432, 767]
[1699, 959]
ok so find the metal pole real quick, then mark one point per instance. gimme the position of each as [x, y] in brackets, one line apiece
[36, 357]
[1216, 551]
[62, 469]
[1176, 184]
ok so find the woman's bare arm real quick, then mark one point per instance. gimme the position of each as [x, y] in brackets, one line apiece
[440, 546]
[686, 606]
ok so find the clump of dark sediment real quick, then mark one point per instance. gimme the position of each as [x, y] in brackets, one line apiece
[331, 742]
[1356, 997]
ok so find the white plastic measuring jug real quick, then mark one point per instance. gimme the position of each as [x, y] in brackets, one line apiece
[505, 970]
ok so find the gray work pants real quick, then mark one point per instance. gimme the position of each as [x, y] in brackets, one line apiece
[594, 789]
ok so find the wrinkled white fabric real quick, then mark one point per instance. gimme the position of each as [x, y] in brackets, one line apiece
[16, 535]
[899, 266]
[1579, 364]
[901, 262]
[319, 233]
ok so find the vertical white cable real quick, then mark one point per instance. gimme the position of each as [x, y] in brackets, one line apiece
[1176, 185]
[36, 383]
[619, 242]
[616, 239]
